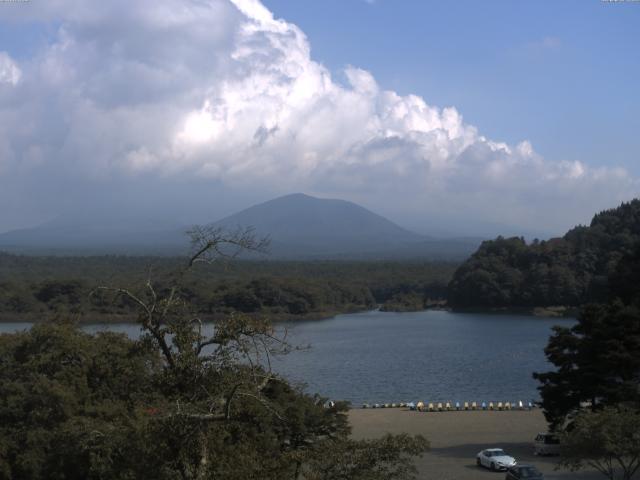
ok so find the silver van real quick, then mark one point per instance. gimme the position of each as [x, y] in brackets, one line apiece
[546, 444]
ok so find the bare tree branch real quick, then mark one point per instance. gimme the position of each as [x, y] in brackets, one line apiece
[211, 243]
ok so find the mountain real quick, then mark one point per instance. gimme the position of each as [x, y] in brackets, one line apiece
[96, 236]
[302, 226]
[299, 226]
[568, 271]
[314, 225]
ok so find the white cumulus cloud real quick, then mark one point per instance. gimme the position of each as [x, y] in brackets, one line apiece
[222, 90]
[9, 71]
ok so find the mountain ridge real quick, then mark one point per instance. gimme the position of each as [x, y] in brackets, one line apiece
[300, 226]
[322, 224]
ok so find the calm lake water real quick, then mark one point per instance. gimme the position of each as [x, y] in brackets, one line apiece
[378, 357]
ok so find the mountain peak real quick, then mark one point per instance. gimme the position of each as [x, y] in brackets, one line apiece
[320, 225]
[302, 197]
[297, 195]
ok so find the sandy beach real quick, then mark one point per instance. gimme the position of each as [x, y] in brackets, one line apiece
[456, 438]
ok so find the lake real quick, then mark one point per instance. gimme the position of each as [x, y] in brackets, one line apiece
[378, 357]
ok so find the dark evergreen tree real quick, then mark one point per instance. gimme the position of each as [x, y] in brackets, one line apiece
[597, 360]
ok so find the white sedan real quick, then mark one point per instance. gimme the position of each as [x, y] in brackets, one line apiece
[495, 459]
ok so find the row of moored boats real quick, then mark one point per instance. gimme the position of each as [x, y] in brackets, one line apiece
[454, 406]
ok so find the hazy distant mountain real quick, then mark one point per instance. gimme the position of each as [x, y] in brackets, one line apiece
[96, 236]
[320, 225]
[300, 226]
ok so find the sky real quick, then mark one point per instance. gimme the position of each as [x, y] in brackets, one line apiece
[465, 118]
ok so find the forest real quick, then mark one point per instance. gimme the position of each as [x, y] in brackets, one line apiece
[567, 271]
[35, 288]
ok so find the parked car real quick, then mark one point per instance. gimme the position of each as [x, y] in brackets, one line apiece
[546, 444]
[528, 472]
[495, 459]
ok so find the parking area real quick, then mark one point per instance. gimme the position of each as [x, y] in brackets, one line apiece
[456, 438]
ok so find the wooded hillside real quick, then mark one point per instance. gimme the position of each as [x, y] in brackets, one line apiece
[571, 270]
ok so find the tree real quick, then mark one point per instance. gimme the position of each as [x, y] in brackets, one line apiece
[569, 271]
[607, 440]
[71, 403]
[186, 401]
[597, 361]
[383, 459]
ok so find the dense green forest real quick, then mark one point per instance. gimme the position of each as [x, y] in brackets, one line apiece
[568, 271]
[36, 288]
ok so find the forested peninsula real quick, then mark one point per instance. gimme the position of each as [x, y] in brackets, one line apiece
[570, 271]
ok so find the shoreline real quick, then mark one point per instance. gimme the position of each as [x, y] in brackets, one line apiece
[115, 319]
[557, 311]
